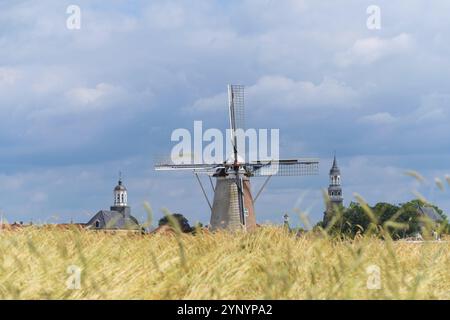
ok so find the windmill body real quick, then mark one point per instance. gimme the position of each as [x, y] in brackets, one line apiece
[233, 204]
[226, 212]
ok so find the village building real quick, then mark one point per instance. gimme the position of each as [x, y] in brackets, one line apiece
[118, 217]
[430, 214]
[335, 197]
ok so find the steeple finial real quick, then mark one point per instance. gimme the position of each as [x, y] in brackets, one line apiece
[120, 177]
[334, 160]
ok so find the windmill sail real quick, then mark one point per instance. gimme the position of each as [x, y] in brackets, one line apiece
[237, 114]
[286, 167]
[196, 168]
[237, 121]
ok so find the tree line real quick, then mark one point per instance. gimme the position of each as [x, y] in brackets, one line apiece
[399, 221]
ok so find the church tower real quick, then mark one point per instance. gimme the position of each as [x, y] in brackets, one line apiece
[120, 199]
[120, 195]
[334, 191]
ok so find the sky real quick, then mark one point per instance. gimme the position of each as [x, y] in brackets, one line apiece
[80, 105]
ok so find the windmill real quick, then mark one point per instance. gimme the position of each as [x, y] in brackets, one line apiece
[233, 203]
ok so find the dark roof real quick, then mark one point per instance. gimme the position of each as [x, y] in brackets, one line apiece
[114, 220]
[430, 212]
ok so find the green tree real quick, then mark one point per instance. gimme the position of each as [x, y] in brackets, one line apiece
[406, 218]
[409, 214]
[355, 220]
[384, 211]
[180, 219]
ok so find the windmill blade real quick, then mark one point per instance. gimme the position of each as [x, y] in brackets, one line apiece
[240, 199]
[196, 168]
[285, 167]
[236, 107]
[165, 163]
[237, 113]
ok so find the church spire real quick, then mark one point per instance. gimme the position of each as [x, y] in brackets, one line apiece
[335, 189]
[334, 161]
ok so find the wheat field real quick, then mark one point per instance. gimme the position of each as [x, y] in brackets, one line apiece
[270, 263]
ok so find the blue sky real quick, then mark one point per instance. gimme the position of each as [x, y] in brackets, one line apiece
[78, 106]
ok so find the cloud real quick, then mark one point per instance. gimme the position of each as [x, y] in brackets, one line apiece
[311, 69]
[371, 176]
[165, 16]
[8, 76]
[210, 103]
[380, 118]
[85, 96]
[434, 108]
[39, 197]
[279, 92]
[370, 50]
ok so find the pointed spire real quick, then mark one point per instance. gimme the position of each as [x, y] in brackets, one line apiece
[334, 160]
[334, 168]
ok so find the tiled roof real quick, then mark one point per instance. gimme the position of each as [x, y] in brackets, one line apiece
[430, 212]
[114, 220]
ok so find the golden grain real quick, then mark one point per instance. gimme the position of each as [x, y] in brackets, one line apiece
[270, 263]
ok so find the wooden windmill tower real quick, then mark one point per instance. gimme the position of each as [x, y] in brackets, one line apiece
[233, 203]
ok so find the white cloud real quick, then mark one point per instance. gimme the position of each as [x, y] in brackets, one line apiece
[279, 92]
[434, 108]
[283, 92]
[76, 100]
[378, 118]
[48, 81]
[165, 15]
[210, 103]
[369, 50]
[384, 179]
[8, 76]
[130, 59]
[372, 176]
[39, 197]
[85, 96]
